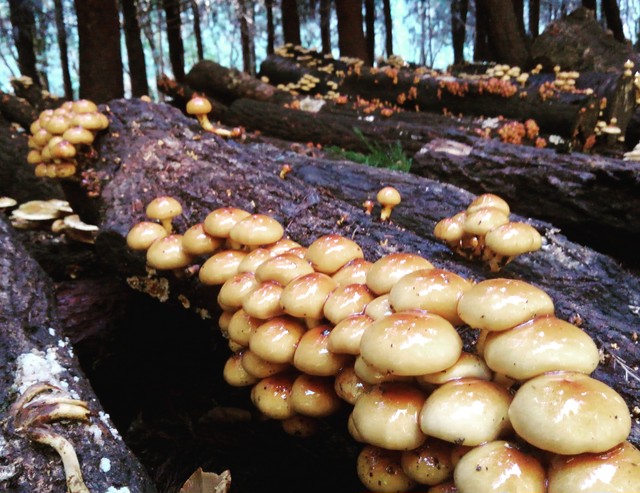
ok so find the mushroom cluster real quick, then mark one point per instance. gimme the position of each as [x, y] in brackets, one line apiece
[59, 137]
[484, 232]
[315, 329]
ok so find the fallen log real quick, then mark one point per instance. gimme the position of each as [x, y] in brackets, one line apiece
[15, 109]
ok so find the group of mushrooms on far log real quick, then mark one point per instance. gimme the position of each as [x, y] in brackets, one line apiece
[314, 329]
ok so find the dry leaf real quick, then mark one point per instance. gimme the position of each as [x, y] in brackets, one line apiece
[207, 482]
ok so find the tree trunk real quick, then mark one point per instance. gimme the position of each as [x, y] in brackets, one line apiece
[271, 30]
[481, 48]
[174, 37]
[290, 22]
[534, 18]
[370, 22]
[61, 32]
[197, 28]
[245, 13]
[518, 7]
[135, 52]
[325, 25]
[23, 27]
[611, 13]
[459, 9]
[388, 27]
[590, 4]
[99, 32]
[505, 37]
[350, 32]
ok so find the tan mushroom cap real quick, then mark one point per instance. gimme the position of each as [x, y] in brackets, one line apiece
[489, 200]
[372, 375]
[500, 304]
[163, 208]
[234, 290]
[78, 135]
[540, 345]
[481, 221]
[143, 234]
[570, 413]
[513, 238]
[36, 210]
[235, 374]
[305, 296]
[378, 307]
[254, 259]
[387, 416]
[314, 396]
[257, 229]
[300, 426]
[272, 396]
[499, 466]
[283, 268]
[468, 366]
[6, 202]
[434, 290]
[220, 267]
[468, 411]
[388, 196]
[281, 246]
[410, 344]
[219, 222]
[450, 229]
[198, 106]
[345, 301]
[428, 464]
[329, 253]
[167, 254]
[196, 241]
[380, 470]
[614, 471]
[345, 336]
[261, 368]
[348, 385]
[388, 270]
[264, 301]
[241, 327]
[83, 106]
[444, 487]
[276, 339]
[353, 272]
[312, 355]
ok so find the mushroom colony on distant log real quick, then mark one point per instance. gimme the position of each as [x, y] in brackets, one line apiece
[314, 329]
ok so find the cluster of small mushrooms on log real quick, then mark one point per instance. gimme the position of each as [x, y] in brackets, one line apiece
[314, 329]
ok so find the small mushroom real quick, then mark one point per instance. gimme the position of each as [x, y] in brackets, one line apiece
[505, 242]
[380, 470]
[389, 269]
[164, 209]
[388, 197]
[314, 396]
[200, 107]
[329, 253]
[143, 234]
[167, 253]
[428, 464]
[312, 355]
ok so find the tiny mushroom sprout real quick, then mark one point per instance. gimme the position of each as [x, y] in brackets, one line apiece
[388, 197]
[164, 209]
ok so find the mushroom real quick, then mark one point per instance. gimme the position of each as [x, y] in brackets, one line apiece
[389, 269]
[388, 197]
[378, 307]
[345, 301]
[489, 200]
[353, 272]
[380, 470]
[346, 335]
[314, 396]
[200, 107]
[304, 297]
[271, 396]
[234, 290]
[264, 301]
[468, 365]
[283, 269]
[428, 464]
[235, 374]
[143, 234]
[312, 355]
[220, 267]
[348, 385]
[276, 339]
[260, 368]
[329, 253]
[164, 209]
[219, 222]
[255, 230]
[167, 253]
[196, 241]
[241, 327]
[505, 242]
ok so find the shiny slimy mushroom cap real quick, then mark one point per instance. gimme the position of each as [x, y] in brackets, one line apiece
[314, 396]
[354, 272]
[349, 386]
[569, 413]
[256, 229]
[345, 301]
[143, 234]
[196, 241]
[468, 366]
[450, 229]
[489, 200]
[312, 354]
[500, 304]
[481, 221]
[380, 470]
[428, 464]
[513, 238]
[271, 396]
[234, 290]
[410, 344]
[276, 339]
[219, 222]
[345, 337]
[220, 267]
[379, 307]
[329, 253]
[167, 253]
[468, 411]
[305, 296]
[389, 269]
[235, 374]
[264, 301]
[164, 209]
[283, 268]
[540, 345]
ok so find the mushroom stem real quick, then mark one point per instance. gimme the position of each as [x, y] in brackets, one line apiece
[205, 123]
[72, 472]
[386, 212]
[167, 225]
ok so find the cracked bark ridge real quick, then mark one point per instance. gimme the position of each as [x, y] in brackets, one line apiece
[30, 326]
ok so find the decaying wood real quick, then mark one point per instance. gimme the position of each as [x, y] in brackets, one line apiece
[30, 327]
[15, 109]
[38, 97]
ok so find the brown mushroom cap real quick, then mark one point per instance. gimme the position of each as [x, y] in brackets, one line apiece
[199, 106]
[434, 290]
[513, 238]
[428, 464]
[196, 241]
[387, 416]
[283, 268]
[254, 259]
[329, 253]
[468, 365]
[281, 246]
[411, 343]
[220, 267]
[388, 196]
[500, 304]
[78, 135]
[348, 385]
[235, 374]
[489, 200]
[167, 253]
[261, 368]
[450, 229]
[380, 470]
[219, 222]
[498, 466]
[614, 471]
[345, 301]
[467, 411]
[345, 336]
[271, 396]
[353, 272]
[314, 396]
[256, 229]
[264, 301]
[241, 327]
[234, 290]
[378, 307]
[163, 208]
[312, 355]
[569, 413]
[481, 221]
[305, 296]
[276, 339]
[540, 345]
[388, 270]
[143, 234]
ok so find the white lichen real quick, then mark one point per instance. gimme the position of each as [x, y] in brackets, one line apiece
[105, 464]
[113, 489]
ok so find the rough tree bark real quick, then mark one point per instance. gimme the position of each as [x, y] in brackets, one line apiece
[173, 25]
[534, 19]
[351, 39]
[611, 13]
[246, 18]
[459, 9]
[388, 27]
[61, 31]
[290, 22]
[135, 52]
[505, 37]
[370, 33]
[23, 26]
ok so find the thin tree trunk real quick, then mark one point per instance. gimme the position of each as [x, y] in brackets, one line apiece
[505, 37]
[290, 22]
[481, 48]
[62, 45]
[611, 13]
[459, 9]
[245, 13]
[534, 18]
[23, 24]
[370, 21]
[99, 32]
[388, 27]
[350, 33]
[135, 52]
[518, 7]
[325, 25]
[174, 37]
[197, 29]
[590, 4]
[271, 35]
